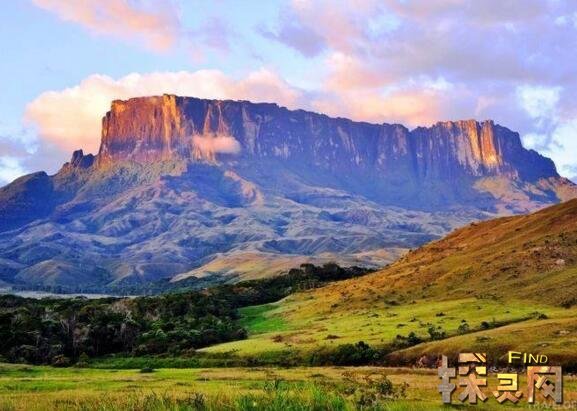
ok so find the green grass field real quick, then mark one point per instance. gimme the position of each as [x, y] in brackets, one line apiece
[326, 388]
[295, 324]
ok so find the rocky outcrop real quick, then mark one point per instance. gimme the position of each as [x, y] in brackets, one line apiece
[79, 161]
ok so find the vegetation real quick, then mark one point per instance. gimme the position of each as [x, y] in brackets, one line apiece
[39, 388]
[509, 283]
[292, 330]
[63, 331]
[121, 289]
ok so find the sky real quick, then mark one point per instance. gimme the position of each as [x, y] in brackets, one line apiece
[413, 62]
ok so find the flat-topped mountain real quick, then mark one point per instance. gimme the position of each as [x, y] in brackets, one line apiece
[382, 161]
[188, 187]
[159, 128]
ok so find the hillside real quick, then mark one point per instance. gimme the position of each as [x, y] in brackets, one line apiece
[508, 283]
[531, 257]
[183, 187]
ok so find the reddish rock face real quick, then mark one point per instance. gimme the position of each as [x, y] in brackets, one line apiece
[144, 129]
[164, 127]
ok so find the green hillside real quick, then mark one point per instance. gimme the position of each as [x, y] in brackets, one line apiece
[493, 286]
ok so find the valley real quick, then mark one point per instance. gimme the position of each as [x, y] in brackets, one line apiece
[325, 337]
[288, 205]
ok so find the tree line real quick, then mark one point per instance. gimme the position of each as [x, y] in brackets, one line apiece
[64, 331]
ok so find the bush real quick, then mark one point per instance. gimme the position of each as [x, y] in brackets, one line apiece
[436, 333]
[373, 390]
[408, 341]
[358, 354]
[61, 361]
[82, 361]
[347, 354]
[463, 327]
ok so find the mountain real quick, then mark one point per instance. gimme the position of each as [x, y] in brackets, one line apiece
[222, 190]
[385, 163]
[505, 284]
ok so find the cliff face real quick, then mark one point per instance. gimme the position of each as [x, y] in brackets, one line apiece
[158, 128]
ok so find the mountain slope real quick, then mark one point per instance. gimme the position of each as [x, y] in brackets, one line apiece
[532, 257]
[188, 187]
[496, 282]
[26, 199]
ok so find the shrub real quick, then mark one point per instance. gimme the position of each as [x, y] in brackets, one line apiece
[347, 354]
[373, 390]
[463, 327]
[436, 333]
[358, 354]
[408, 341]
[82, 361]
[61, 361]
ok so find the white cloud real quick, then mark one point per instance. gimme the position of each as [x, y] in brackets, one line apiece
[155, 24]
[209, 145]
[538, 101]
[535, 141]
[71, 118]
[554, 135]
[10, 169]
[562, 147]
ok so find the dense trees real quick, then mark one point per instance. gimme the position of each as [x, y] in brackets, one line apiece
[43, 331]
[60, 331]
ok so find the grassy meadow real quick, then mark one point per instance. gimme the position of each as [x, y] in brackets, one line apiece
[504, 284]
[295, 324]
[307, 388]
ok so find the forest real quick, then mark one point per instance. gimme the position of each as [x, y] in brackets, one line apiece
[66, 331]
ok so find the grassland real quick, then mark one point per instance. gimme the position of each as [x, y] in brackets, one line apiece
[296, 324]
[509, 283]
[327, 388]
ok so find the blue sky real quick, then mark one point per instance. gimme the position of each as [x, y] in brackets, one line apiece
[413, 62]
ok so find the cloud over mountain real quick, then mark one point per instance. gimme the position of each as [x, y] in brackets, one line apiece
[155, 25]
[414, 63]
[71, 118]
